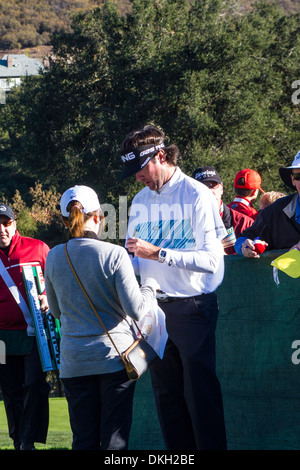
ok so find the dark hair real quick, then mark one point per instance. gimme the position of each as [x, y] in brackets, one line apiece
[243, 192]
[76, 219]
[150, 135]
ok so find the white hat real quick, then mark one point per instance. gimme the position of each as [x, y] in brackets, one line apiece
[285, 172]
[83, 194]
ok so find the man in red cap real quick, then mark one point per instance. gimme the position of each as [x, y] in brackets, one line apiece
[278, 225]
[246, 185]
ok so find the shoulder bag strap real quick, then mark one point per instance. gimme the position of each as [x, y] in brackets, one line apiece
[90, 302]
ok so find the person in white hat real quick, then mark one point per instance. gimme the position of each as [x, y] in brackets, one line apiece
[98, 391]
[291, 174]
[278, 225]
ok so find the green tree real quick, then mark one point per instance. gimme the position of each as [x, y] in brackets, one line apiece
[218, 83]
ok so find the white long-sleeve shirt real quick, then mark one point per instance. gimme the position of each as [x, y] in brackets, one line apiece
[183, 218]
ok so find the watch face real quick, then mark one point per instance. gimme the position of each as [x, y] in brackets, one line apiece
[162, 256]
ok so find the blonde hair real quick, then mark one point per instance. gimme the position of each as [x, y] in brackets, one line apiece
[77, 219]
[269, 197]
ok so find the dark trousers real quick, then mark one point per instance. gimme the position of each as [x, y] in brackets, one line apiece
[25, 394]
[100, 409]
[186, 389]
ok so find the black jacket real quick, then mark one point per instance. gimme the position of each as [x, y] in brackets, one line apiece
[276, 224]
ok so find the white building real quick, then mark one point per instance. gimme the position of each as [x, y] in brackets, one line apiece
[14, 67]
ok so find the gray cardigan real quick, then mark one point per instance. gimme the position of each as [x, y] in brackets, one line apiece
[107, 275]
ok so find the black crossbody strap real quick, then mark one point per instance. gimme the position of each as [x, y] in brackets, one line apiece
[90, 302]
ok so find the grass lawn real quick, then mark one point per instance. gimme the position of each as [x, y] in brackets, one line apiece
[59, 433]
[145, 432]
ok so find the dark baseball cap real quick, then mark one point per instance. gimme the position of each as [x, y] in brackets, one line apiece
[7, 210]
[206, 173]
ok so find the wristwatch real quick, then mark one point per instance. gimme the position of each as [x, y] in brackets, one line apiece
[162, 256]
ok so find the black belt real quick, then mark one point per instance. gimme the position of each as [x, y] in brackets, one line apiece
[168, 299]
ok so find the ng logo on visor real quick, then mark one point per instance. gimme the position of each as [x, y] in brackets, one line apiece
[127, 157]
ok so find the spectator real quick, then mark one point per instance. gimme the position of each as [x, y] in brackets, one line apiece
[246, 185]
[268, 198]
[178, 241]
[278, 225]
[22, 380]
[98, 391]
[235, 222]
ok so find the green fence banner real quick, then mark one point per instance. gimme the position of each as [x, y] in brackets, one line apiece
[258, 361]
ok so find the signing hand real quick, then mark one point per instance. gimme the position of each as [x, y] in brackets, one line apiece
[248, 249]
[142, 248]
[296, 247]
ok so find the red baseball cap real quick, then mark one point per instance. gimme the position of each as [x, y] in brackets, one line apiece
[251, 180]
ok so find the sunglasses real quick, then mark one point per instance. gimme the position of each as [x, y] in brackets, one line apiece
[210, 184]
[296, 176]
[6, 224]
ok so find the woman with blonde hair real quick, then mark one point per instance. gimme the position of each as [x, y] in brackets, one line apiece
[97, 388]
[268, 198]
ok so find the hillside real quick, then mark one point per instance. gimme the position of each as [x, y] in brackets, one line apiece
[289, 6]
[27, 26]
[31, 23]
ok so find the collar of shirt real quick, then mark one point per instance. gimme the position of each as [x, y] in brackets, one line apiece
[88, 234]
[170, 185]
[243, 201]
